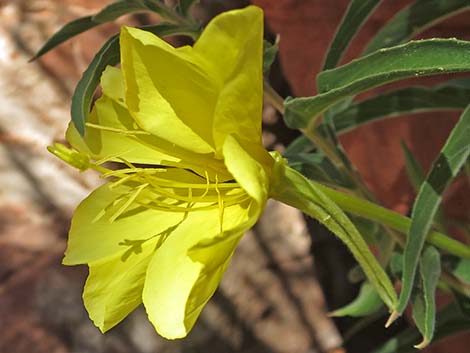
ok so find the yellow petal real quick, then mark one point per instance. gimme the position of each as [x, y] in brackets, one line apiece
[249, 163]
[232, 44]
[92, 238]
[167, 91]
[112, 136]
[145, 149]
[112, 84]
[114, 285]
[180, 279]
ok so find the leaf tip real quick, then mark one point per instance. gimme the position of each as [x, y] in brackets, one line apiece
[393, 316]
[423, 344]
[332, 314]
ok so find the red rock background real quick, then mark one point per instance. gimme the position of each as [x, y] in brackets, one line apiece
[270, 300]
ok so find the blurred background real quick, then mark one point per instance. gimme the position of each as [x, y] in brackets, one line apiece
[287, 274]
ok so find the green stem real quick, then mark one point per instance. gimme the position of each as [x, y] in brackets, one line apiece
[391, 219]
[273, 98]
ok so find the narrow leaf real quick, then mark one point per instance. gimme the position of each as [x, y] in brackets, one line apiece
[83, 94]
[463, 301]
[462, 270]
[418, 58]
[108, 55]
[417, 176]
[301, 144]
[118, 9]
[269, 54]
[459, 267]
[413, 168]
[453, 155]
[396, 264]
[413, 19]
[294, 189]
[317, 166]
[357, 13]
[366, 303]
[424, 306]
[184, 6]
[448, 96]
[71, 29]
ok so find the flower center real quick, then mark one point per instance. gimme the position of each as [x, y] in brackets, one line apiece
[157, 187]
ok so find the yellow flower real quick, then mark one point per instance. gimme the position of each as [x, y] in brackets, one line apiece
[184, 126]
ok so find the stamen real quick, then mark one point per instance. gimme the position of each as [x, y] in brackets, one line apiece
[126, 162]
[177, 184]
[99, 215]
[116, 130]
[122, 181]
[190, 196]
[112, 156]
[116, 173]
[172, 195]
[162, 206]
[220, 203]
[206, 174]
[129, 201]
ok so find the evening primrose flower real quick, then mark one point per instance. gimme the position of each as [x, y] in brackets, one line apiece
[183, 128]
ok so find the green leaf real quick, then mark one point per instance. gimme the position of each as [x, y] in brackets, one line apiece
[413, 168]
[159, 7]
[448, 96]
[463, 301]
[413, 19]
[449, 321]
[71, 29]
[269, 54]
[318, 167]
[459, 267]
[462, 270]
[301, 144]
[357, 13]
[417, 176]
[118, 9]
[370, 231]
[453, 155]
[83, 94]
[424, 305]
[108, 55]
[184, 6]
[396, 264]
[292, 188]
[366, 303]
[418, 58]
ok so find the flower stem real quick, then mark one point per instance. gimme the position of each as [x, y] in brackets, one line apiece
[391, 219]
[273, 98]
